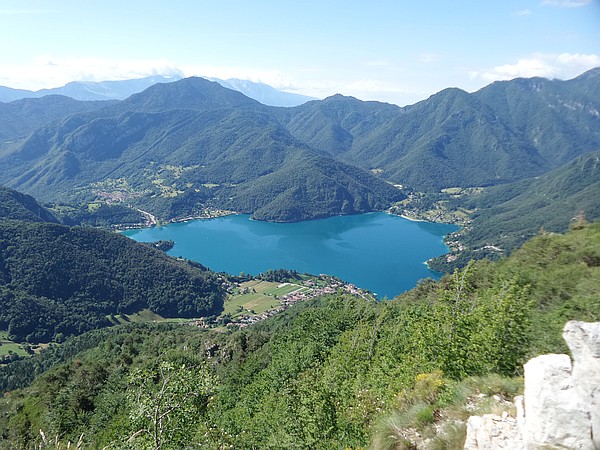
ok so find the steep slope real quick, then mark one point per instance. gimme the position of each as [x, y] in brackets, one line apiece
[560, 119]
[58, 281]
[505, 132]
[264, 93]
[328, 373]
[18, 206]
[121, 89]
[508, 215]
[451, 139]
[214, 146]
[89, 90]
[19, 118]
[187, 137]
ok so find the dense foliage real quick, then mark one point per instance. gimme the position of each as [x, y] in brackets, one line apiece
[57, 281]
[99, 215]
[321, 374]
[506, 216]
[179, 147]
[18, 206]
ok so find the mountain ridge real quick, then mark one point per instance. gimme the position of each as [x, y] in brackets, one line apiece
[224, 143]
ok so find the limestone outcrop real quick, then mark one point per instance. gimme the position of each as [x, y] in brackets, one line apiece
[561, 402]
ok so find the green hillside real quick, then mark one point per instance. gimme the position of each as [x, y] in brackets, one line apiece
[18, 206]
[335, 372]
[506, 216]
[505, 132]
[171, 142]
[21, 117]
[192, 144]
[57, 281]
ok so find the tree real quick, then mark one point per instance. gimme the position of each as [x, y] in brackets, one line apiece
[167, 404]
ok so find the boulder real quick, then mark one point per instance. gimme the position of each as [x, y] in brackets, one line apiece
[492, 432]
[561, 401]
[583, 340]
[555, 416]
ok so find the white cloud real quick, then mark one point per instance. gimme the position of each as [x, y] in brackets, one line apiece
[274, 78]
[47, 71]
[567, 3]
[562, 66]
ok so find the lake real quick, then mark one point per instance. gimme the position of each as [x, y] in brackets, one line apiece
[380, 252]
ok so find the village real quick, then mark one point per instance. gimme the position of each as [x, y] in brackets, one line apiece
[256, 300]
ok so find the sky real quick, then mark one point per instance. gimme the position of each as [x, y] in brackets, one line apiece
[396, 51]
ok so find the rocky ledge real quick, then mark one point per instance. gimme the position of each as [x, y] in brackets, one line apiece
[561, 405]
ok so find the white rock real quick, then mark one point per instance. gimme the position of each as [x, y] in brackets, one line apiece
[561, 405]
[555, 416]
[583, 340]
[491, 432]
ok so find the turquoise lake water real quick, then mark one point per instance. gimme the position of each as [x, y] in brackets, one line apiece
[380, 252]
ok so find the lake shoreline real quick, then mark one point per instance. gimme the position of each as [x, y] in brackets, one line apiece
[378, 251]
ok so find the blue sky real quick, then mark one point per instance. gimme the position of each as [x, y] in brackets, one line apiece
[399, 51]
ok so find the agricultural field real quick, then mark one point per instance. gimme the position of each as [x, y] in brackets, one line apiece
[8, 347]
[258, 296]
[145, 315]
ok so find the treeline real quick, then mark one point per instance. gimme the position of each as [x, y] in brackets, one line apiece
[321, 374]
[507, 216]
[57, 281]
[101, 216]
[279, 275]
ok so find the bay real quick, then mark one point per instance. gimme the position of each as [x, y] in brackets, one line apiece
[380, 252]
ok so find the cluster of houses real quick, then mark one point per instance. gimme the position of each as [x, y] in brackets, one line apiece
[300, 294]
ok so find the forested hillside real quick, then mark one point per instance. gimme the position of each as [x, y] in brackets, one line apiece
[506, 216]
[335, 372]
[19, 118]
[57, 281]
[192, 140]
[179, 147]
[18, 206]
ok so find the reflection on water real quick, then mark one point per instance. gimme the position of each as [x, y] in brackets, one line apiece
[375, 251]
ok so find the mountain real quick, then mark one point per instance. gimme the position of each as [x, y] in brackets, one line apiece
[552, 201]
[559, 119]
[442, 142]
[196, 140]
[191, 144]
[337, 371]
[20, 118]
[264, 93]
[505, 132]
[121, 89]
[89, 90]
[57, 281]
[18, 206]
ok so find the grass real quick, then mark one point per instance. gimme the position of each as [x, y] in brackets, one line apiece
[6, 345]
[258, 296]
[436, 410]
[145, 315]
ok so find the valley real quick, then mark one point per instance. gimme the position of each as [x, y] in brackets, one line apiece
[188, 147]
[221, 314]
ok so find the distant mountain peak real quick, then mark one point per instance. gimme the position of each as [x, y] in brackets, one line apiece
[187, 93]
[90, 90]
[263, 93]
[590, 74]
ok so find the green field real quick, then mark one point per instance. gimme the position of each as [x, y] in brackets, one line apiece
[145, 315]
[7, 345]
[258, 296]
